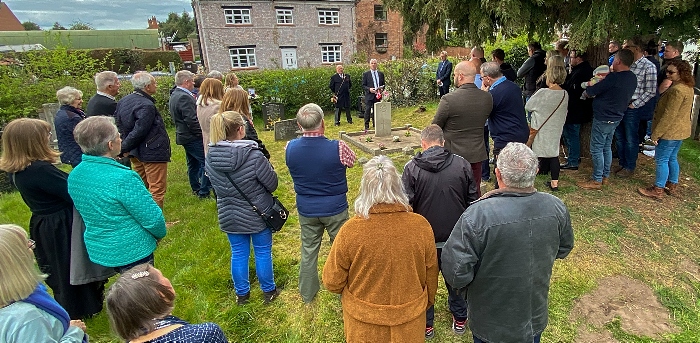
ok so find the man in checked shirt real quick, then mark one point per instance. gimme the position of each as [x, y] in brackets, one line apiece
[317, 165]
[641, 108]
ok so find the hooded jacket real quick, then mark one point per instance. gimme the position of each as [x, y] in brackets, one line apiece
[252, 173]
[440, 185]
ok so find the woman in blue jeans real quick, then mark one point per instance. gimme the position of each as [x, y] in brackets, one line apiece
[233, 159]
[670, 127]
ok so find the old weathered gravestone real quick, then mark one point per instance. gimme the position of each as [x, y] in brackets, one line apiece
[286, 130]
[48, 114]
[272, 112]
[382, 119]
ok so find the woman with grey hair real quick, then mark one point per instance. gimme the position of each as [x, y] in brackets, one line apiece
[123, 223]
[67, 117]
[140, 306]
[383, 262]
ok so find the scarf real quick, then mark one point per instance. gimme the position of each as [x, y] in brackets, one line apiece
[42, 300]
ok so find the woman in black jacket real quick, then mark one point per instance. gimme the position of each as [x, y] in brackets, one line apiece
[67, 117]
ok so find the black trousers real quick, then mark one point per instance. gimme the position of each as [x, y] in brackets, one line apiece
[347, 115]
[456, 300]
[549, 165]
[369, 112]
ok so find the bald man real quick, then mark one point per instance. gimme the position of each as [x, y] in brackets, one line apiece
[462, 114]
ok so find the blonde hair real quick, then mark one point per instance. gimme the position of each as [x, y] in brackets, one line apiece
[230, 79]
[381, 184]
[556, 70]
[223, 125]
[211, 89]
[19, 275]
[236, 100]
[24, 141]
[67, 95]
[136, 301]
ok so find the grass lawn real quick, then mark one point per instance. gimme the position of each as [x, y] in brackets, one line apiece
[655, 246]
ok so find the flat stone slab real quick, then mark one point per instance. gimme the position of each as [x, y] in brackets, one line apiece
[384, 145]
[286, 130]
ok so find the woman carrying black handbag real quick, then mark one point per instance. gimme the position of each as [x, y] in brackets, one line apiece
[233, 159]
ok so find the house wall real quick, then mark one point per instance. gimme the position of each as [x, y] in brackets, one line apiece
[367, 26]
[268, 37]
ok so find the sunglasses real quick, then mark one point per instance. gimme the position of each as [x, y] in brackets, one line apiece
[31, 244]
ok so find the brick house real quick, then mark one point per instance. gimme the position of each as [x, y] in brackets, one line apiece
[379, 31]
[257, 34]
[8, 21]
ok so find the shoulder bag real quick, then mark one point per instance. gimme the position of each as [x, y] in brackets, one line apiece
[275, 217]
[533, 132]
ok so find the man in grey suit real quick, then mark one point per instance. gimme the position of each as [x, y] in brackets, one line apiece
[462, 114]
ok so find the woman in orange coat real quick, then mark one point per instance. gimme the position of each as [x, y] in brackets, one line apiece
[383, 262]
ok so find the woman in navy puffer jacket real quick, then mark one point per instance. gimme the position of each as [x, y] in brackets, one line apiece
[244, 162]
[67, 117]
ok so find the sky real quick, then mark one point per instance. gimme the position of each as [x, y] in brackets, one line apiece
[101, 14]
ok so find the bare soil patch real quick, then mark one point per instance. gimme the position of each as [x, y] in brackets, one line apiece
[632, 301]
[585, 336]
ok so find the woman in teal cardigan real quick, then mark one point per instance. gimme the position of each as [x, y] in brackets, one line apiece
[123, 223]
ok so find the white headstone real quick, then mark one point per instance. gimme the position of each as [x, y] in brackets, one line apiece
[382, 118]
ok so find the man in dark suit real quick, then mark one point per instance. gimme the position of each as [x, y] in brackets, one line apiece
[372, 83]
[462, 115]
[103, 103]
[580, 111]
[443, 74]
[188, 133]
[340, 86]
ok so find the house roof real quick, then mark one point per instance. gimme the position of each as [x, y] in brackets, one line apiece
[85, 39]
[8, 21]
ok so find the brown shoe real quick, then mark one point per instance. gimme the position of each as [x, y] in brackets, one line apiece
[605, 181]
[590, 184]
[616, 169]
[656, 193]
[670, 189]
[625, 173]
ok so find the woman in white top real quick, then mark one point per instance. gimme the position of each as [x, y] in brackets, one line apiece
[549, 108]
[210, 94]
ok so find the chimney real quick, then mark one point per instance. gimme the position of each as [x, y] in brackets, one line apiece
[153, 23]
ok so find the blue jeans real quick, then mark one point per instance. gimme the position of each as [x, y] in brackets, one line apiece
[572, 138]
[627, 136]
[535, 339]
[666, 157]
[601, 147]
[485, 167]
[240, 254]
[194, 154]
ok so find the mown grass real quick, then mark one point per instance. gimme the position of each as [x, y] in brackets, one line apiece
[617, 233]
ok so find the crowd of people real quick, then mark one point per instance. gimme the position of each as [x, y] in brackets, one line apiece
[106, 216]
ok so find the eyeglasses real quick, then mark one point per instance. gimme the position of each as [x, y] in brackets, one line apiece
[31, 244]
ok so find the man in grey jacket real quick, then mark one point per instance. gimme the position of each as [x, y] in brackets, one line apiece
[503, 248]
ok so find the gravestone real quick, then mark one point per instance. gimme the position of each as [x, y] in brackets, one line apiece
[48, 114]
[382, 118]
[272, 112]
[286, 130]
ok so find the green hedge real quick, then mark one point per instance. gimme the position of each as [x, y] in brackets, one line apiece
[128, 61]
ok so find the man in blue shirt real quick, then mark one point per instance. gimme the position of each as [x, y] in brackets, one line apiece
[612, 97]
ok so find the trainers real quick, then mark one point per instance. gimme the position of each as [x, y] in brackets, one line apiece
[271, 295]
[242, 299]
[459, 327]
[429, 332]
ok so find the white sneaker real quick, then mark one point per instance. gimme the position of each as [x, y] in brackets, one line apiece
[650, 153]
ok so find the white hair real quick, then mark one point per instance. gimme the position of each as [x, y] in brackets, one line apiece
[310, 117]
[67, 95]
[94, 134]
[182, 76]
[518, 165]
[105, 79]
[491, 69]
[381, 184]
[141, 79]
[215, 74]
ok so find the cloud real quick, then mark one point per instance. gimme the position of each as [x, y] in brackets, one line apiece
[101, 14]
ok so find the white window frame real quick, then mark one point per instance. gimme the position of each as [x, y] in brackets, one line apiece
[244, 57]
[284, 16]
[331, 53]
[329, 17]
[237, 16]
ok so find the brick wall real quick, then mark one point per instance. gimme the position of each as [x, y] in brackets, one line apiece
[268, 37]
[367, 27]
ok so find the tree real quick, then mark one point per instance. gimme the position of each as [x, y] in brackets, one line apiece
[179, 25]
[588, 22]
[31, 26]
[57, 26]
[79, 25]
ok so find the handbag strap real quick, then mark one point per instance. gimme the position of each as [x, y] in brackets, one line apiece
[341, 86]
[255, 208]
[555, 111]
